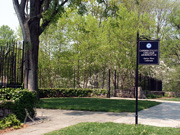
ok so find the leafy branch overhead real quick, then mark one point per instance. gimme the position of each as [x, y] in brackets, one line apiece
[44, 10]
[34, 16]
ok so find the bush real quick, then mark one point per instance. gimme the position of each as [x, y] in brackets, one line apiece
[18, 100]
[70, 92]
[10, 121]
[152, 96]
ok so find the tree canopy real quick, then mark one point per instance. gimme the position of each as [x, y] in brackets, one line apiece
[80, 40]
[6, 35]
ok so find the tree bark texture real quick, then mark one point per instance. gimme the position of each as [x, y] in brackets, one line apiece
[30, 30]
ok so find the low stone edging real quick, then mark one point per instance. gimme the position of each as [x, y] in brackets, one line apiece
[131, 93]
[172, 94]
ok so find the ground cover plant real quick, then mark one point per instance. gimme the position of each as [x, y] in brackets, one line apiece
[114, 129]
[94, 104]
[10, 121]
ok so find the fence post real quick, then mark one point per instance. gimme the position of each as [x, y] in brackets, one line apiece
[2, 65]
[22, 63]
[115, 83]
[109, 83]
[144, 82]
[40, 76]
[74, 79]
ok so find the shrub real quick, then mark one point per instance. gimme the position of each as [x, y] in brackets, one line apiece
[152, 96]
[71, 92]
[10, 121]
[18, 100]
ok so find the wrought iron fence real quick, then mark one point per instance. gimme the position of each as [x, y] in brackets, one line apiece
[11, 74]
[149, 83]
[11, 64]
[107, 79]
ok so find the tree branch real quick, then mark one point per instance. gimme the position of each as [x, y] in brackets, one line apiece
[177, 55]
[16, 2]
[46, 5]
[62, 4]
[23, 4]
[55, 12]
[41, 2]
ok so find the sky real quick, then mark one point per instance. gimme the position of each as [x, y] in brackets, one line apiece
[7, 14]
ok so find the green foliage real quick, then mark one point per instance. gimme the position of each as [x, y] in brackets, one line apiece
[71, 92]
[6, 35]
[18, 100]
[152, 96]
[94, 104]
[166, 95]
[114, 129]
[10, 121]
[91, 43]
[172, 99]
[101, 35]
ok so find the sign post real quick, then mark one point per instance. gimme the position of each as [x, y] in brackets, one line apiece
[147, 54]
[136, 81]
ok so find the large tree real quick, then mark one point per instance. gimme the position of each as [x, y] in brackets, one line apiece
[34, 16]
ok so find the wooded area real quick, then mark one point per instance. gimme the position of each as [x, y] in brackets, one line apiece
[84, 41]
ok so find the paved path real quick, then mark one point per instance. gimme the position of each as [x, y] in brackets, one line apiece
[63, 118]
[166, 114]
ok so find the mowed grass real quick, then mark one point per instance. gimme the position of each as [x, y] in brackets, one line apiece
[171, 99]
[94, 104]
[114, 129]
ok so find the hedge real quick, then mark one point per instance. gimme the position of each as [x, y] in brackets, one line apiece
[71, 92]
[16, 100]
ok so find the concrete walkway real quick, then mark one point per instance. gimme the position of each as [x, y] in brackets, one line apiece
[166, 114]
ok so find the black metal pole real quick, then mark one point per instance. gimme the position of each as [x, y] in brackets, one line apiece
[109, 83]
[136, 85]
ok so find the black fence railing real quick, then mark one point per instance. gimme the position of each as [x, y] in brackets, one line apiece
[11, 64]
[107, 79]
[11, 74]
[150, 84]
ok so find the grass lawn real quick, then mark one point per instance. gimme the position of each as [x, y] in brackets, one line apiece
[171, 99]
[114, 129]
[94, 104]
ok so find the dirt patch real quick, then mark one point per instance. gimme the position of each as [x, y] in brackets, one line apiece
[11, 129]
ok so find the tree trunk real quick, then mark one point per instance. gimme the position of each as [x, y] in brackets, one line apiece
[30, 31]
[29, 13]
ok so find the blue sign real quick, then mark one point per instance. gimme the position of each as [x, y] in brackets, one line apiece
[148, 52]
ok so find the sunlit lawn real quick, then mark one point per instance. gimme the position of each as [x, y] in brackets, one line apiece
[114, 129]
[171, 99]
[94, 104]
